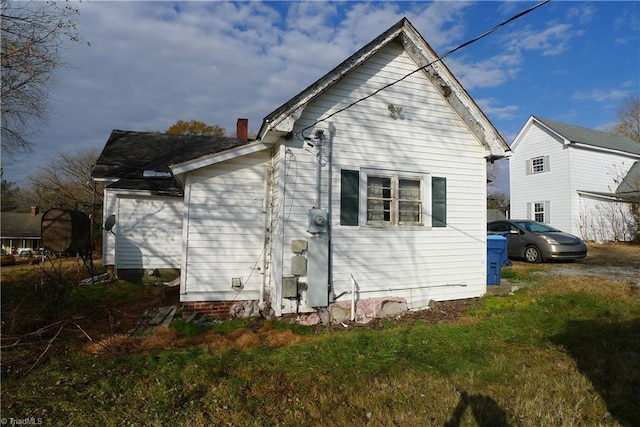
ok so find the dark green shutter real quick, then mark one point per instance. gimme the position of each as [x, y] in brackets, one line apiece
[439, 202]
[349, 197]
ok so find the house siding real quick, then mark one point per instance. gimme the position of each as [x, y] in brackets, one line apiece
[110, 207]
[599, 171]
[419, 263]
[224, 230]
[149, 232]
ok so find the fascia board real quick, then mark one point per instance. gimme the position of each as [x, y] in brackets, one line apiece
[109, 180]
[523, 131]
[136, 193]
[212, 159]
[455, 95]
[602, 149]
[565, 141]
[600, 196]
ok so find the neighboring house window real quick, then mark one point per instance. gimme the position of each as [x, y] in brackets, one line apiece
[539, 211]
[382, 198]
[538, 165]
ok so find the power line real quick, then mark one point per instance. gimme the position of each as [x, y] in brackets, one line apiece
[465, 44]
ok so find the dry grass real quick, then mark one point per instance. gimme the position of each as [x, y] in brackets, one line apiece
[613, 254]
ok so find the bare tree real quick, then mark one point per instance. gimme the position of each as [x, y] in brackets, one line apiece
[9, 193]
[33, 38]
[66, 183]
[629, 119]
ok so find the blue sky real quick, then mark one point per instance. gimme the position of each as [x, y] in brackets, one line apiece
[153, 63]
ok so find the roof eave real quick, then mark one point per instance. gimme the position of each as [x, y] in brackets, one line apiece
[180, 169]
[282, 120]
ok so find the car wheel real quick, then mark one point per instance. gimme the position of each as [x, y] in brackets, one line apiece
[532, 254]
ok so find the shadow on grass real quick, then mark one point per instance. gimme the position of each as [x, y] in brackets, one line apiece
[608, 354]
[485, 410]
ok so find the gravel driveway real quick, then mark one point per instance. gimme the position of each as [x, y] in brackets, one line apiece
[626, 275]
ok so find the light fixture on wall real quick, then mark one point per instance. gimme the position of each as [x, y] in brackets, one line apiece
[395, 111]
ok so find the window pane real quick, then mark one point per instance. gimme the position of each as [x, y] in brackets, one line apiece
[538, 212]
[379, 187]
[378, 199]
[410, 212]
[409, 201]
[409, 190]
[379, 210]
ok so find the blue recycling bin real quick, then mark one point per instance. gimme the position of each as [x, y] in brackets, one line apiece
[496, 257]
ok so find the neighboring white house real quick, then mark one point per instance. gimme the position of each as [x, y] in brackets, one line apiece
[567, 176]
[373, 180]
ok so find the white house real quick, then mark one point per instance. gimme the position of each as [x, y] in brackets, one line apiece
[143, 203]
[569, 177]
[370, 183]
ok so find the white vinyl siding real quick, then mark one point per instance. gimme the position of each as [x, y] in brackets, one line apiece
[110, 207]
[224, 229]
[148, 232]
[419, 263]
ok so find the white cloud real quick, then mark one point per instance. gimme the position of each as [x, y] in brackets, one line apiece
[583, 13]
[602, 95]
[488, 105]
[551, 41]
[491, 72]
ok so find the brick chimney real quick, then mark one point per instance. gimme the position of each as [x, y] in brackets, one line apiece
[242, 130]
[34, 210]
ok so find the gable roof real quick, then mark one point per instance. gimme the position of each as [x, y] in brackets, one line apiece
[20, 225]
[141, 160]
[281, 121]
[630, 184]
[581, 135]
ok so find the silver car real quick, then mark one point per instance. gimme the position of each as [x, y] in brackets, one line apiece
[535, 241]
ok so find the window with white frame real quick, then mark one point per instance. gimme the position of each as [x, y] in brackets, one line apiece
[393, 200]
[376, 197]
[539, 211]
[538, 165]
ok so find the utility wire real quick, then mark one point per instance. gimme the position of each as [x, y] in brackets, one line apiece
[465, 44]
